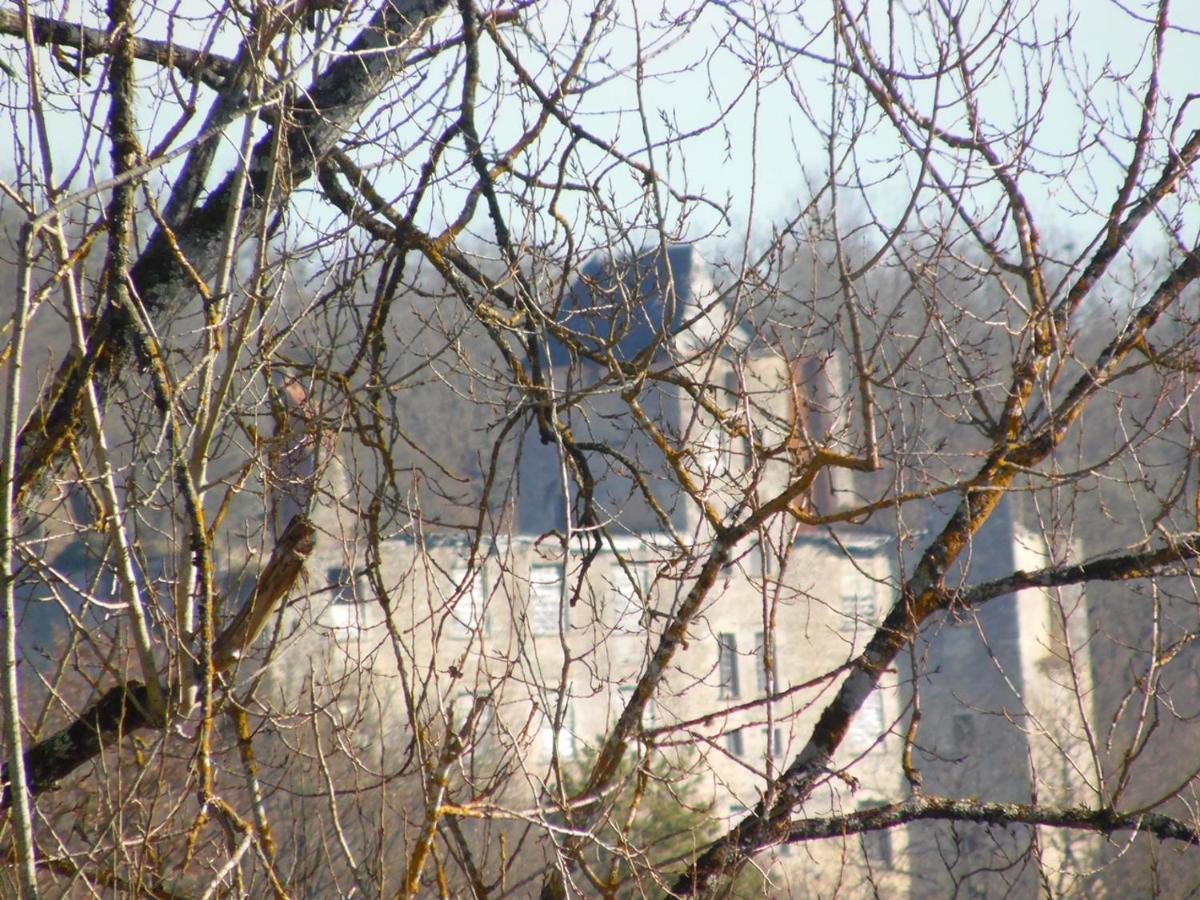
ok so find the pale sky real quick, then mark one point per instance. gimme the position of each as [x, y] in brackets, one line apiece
[757, 158]
[1105, 37]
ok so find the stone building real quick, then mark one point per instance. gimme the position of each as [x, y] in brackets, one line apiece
[1005, 691]
[537, 648]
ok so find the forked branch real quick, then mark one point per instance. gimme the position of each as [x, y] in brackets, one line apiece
[125, 708]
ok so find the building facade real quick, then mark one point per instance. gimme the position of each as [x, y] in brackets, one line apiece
[526, 647]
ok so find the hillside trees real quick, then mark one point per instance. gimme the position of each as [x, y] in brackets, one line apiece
[345, 285]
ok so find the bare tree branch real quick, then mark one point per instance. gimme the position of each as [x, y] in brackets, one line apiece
[125, 708]
[953, 809]
[211, 68]
[1126, 567]
[162, 276]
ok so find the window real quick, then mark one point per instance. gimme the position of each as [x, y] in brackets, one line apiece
[877, 845]
[630, 595]
[468, 616]
[760, 668]
[558, 737]
[734, 449]
[867, 726]
[773, 741]
[547, 609]
[859, 610]
[730, 452]
[969, 839]
[734, 743]
[963, 730]
[341, 584]
[727, 666]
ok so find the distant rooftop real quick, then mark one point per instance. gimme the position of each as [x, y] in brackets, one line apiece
[636, 303]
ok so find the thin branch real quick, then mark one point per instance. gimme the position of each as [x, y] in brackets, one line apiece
[16, 769]
[125, 708]
[210, 68]
[953, 809]
[282, 572]
[1126, 567]
[161, 276]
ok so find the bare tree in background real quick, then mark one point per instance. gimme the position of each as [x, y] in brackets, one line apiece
[395, 502]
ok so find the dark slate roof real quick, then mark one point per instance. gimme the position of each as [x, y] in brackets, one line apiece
[626, 305]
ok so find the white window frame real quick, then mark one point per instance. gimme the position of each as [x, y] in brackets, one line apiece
[468, 615]
[860, 608]
[630, 595]
[548, 612]
[341, 583]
